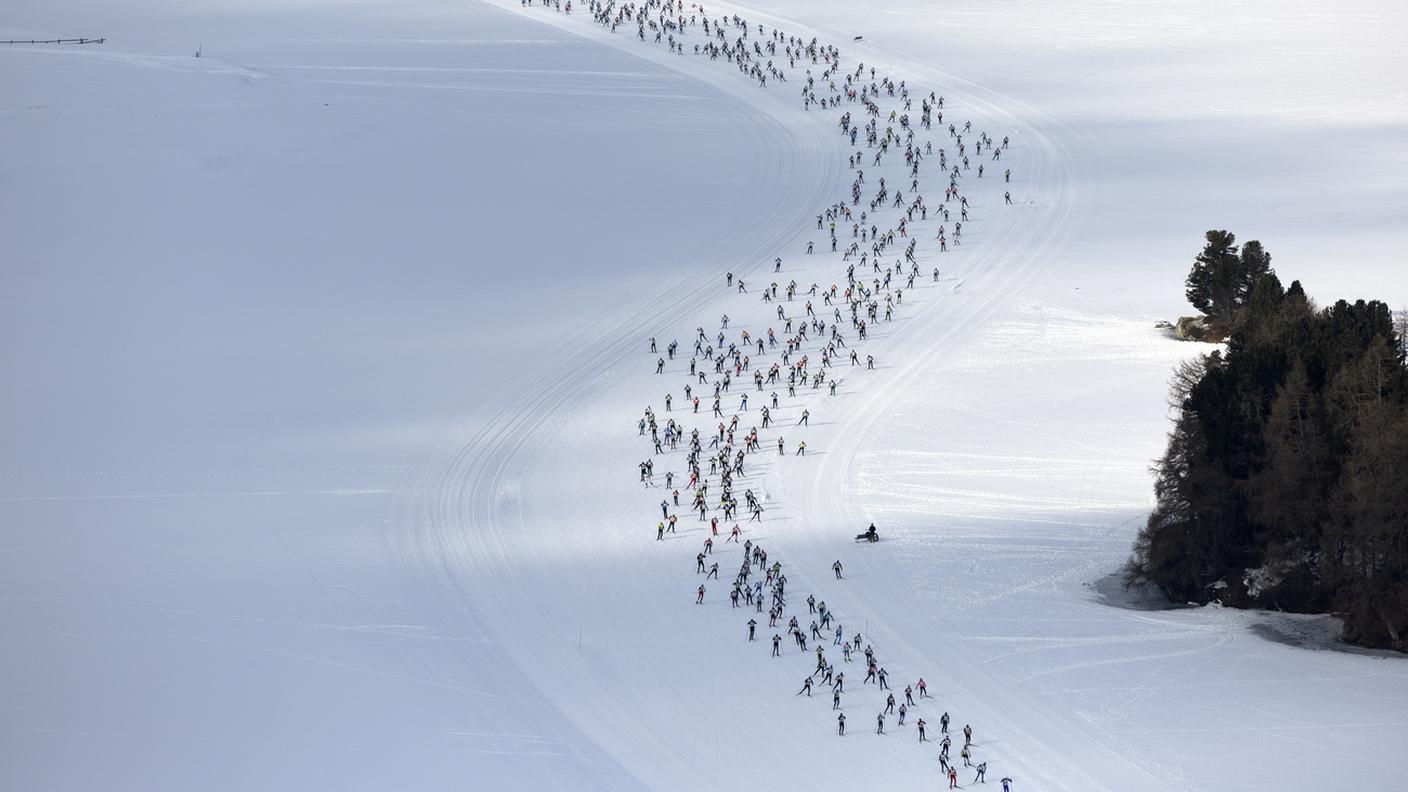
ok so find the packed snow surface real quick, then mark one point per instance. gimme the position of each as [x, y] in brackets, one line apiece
[324, 354]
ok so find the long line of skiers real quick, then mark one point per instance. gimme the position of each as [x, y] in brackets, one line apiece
[813, 332]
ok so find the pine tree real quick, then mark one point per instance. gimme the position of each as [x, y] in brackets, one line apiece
[1208, 284]
[1176, 550]
[1287, 494]
[1372, 528]
[1222, 279]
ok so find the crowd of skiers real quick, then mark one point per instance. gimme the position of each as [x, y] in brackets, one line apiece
[732, 377]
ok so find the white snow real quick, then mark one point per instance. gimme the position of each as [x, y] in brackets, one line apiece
[324, 353]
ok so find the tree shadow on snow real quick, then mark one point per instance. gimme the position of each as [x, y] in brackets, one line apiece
[1318, 632]
[1112, 591]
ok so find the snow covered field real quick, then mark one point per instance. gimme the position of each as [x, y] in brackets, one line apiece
[325, 352]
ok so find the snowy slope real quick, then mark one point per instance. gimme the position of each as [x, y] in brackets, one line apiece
[322, 470]
[1061, 726]
[243, 296]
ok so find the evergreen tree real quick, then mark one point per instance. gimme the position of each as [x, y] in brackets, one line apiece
[1288, 493]
[1372, 523]
[1222, 279]
[1285, 481]
[1207, 284]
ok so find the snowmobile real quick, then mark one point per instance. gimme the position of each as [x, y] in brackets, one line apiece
[870, 535]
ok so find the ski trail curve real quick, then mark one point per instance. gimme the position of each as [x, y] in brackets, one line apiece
[996, 281]
[461, 529]
[451, 524]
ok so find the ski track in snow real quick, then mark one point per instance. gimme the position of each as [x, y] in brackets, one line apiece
[460, 529]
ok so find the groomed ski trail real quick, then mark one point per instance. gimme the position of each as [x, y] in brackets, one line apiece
[463, 529]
